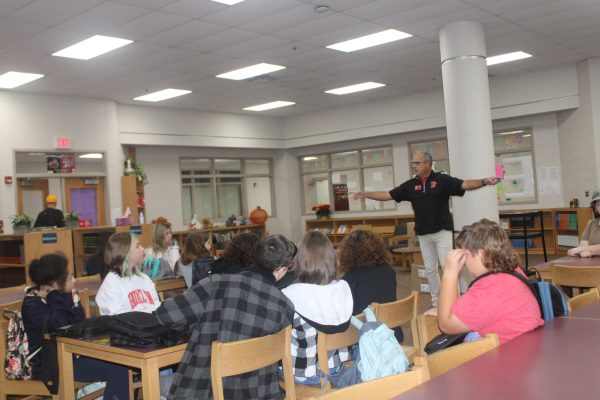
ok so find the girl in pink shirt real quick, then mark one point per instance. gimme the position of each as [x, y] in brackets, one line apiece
[498, 302]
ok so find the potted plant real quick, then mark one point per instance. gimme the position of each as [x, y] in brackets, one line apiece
[134, 168]
[72, 219]
[21, 223]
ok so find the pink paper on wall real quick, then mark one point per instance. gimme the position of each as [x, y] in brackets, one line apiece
[499, 171]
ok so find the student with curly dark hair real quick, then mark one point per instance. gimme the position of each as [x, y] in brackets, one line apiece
[238, 255]
[496, 301]
[365, 261]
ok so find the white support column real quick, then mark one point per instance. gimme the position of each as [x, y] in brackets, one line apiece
[468, 118]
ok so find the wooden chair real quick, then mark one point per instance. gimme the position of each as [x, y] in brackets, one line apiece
[28, 388]
[583, 299]
[445, 360]
[381, 389]
[576, 277]
[364, 227]
[428, 329]
[398, 313]
[235, 358]
[82, 280]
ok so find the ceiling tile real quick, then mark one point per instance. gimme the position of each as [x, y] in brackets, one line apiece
[185, 33]
[247, 11]
[193, 8]
[103, 18]
[13, 32]
[251, 46]
[220, 39]
[147, 25]
[52, 12]
[317, 26]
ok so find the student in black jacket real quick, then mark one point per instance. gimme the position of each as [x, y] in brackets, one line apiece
[52, 299]
[51, 216]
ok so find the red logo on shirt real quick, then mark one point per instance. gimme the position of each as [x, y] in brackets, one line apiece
[433, 184]
[138, 296]
[418, 187]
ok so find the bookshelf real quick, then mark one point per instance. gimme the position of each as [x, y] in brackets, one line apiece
[13, 270]
[222, 234]
[569, 224]
[132, 196]
[85, 244]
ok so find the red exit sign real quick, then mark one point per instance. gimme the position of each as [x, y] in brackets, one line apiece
[62, 142]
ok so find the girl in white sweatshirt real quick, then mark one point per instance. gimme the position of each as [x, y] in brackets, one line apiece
[322, 303]
[125, 288]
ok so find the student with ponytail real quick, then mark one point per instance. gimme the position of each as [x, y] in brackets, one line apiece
[53, 303]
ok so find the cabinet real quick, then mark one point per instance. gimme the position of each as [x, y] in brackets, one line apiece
[38, 243]
[13, 270]
[569, 224]
[132, 196]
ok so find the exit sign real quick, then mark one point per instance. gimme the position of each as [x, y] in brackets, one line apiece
[62, 142]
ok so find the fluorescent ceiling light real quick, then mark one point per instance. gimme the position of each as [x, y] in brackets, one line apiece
[91, 155]
[528, 135]
[163, 95]
[228, 2]
[502, 58]
[269, 106]
[251, 71]
[13, 79]
[92, 47]
[310, 158]
[510, 132]
[355, 88]
[374, 39]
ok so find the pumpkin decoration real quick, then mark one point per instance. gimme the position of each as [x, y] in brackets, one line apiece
[258, 216]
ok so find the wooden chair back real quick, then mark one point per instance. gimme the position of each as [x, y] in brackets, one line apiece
[584, 299]
[328, 342]
[235, 358]
[382, 388]
[428, 329]
[445, 360]
[364, 227]
[88, 279]
[398, 313]
[576, 277]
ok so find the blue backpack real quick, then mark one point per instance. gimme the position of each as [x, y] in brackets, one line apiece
[379, 353]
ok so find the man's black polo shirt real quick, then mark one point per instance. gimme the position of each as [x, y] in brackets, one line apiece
[50, 217]
[430, 201]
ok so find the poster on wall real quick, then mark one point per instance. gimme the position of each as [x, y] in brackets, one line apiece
[60, 163]
[340, 197]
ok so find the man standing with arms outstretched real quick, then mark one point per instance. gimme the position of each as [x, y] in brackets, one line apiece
[429, 193]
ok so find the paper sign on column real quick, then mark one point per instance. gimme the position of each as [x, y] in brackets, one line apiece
[549, 180]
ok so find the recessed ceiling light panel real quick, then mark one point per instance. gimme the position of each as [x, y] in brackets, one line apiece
[269, 106]
[163, 95]
[359, 87]
[91, 155]
[251, 71]
[13, 79]
[92, 47]
[502, 58]
[374, 39]
[228, 2]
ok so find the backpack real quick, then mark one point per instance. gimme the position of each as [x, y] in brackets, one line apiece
[140, 329]
[379, 353]
[17, 361]
[157, 268]
[87, 328]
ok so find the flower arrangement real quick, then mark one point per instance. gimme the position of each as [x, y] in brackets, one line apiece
[322, 210]
[161, 221]
[21, 219]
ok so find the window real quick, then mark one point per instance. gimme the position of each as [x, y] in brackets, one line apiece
[332, 178]
[514, 161]
[218, 188]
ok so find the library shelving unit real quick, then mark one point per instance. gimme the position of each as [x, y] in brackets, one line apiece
[222, 234]
[85, 245]
[132, 196]
[41, 242]
[569, 224]
[337, 228]
[13, 270]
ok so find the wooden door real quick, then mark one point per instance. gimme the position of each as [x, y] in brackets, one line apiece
[31, 196]
[86, 197]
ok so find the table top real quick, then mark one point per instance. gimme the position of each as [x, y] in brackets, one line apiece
[554, 362]
[569, 262]
[101, 343]
[591, 311]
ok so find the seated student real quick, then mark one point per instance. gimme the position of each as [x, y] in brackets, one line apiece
[238, 254]
[496, 301]
[125, 288]
[52, 298]
[322, 304]
[365, 261]
[232, 307]
[589, 245]
[196, 258]
[161, 258]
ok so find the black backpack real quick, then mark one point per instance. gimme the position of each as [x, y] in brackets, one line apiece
[87, 328]
[140, 329]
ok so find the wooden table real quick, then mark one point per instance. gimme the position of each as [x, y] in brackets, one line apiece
[147, 360]
[558, 361]
[18, 294]
[568, 261]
